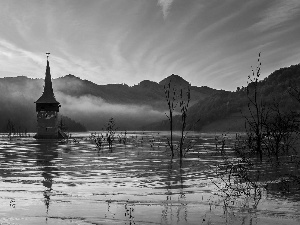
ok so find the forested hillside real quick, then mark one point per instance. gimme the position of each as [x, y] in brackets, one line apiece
[141, 106]
[227, 109]
[90, 104]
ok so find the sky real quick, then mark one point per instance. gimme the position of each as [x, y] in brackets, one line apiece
[207, 42]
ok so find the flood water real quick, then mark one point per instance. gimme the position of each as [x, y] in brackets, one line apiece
[51, 182]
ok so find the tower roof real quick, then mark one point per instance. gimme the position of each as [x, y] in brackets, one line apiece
[48, 95]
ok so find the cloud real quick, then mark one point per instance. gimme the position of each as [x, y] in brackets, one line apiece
[165, 5]
[126, 42]
[278, 14]
[10, 54]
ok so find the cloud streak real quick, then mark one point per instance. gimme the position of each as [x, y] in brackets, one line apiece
[211, 43]
[165, 6]
[278, 14]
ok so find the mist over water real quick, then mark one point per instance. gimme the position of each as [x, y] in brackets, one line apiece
[17, 97]
[94, 112]
[46, 182]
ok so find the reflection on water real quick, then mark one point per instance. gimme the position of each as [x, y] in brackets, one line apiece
[46, 154]
[137, 183]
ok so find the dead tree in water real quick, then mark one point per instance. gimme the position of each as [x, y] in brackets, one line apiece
[258, 112]
[111, 130]
[10, 128]
[170, 94]
[175, 97]
[280, 131]
[184, 104]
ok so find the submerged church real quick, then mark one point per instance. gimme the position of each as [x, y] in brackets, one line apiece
[47, 109]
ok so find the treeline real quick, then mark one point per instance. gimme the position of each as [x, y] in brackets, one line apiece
[72, 125]
[275, 90]
[17, 96]
[222, 105]
[89, 103]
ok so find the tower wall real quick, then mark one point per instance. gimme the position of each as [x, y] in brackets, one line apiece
[47, 107]
[47, 124]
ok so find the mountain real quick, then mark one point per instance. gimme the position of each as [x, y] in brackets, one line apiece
[131, 107]
[146, 92]
[90, 104]
[175, 80]
[141, 106]
[224, 111]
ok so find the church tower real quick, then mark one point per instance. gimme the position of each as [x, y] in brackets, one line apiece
[47, 109]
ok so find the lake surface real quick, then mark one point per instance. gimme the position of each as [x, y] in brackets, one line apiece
[134, 183]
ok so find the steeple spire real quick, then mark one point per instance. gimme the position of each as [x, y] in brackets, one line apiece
[48, 95]
[48, 90]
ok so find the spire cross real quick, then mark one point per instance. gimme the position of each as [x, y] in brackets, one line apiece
[47, 53]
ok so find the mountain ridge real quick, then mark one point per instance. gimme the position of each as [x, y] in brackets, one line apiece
[89, 103]
[225, 111]
[140, 106]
